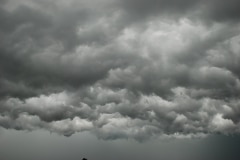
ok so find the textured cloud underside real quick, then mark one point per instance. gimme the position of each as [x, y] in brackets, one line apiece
[121, 69]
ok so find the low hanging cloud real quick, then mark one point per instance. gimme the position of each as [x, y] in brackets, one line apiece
[120, 69]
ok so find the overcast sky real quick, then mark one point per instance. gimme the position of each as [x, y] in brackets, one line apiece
[129, 77]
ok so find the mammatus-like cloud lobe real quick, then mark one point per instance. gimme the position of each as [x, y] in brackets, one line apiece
[121, 69]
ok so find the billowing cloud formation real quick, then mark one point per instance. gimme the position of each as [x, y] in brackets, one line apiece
[121, 69]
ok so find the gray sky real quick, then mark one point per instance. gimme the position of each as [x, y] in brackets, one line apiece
[38, 145]
[126, 72]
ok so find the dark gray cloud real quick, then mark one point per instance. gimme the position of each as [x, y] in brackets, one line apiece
[120, 69]
[212, 10]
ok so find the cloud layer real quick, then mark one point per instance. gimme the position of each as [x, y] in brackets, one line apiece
[121, 69]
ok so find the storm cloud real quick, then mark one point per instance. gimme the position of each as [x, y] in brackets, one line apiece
[121, 69]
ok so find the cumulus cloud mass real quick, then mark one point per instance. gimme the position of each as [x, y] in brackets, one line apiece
[121, 68]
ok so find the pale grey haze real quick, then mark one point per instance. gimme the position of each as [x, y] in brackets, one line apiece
[119, 79]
